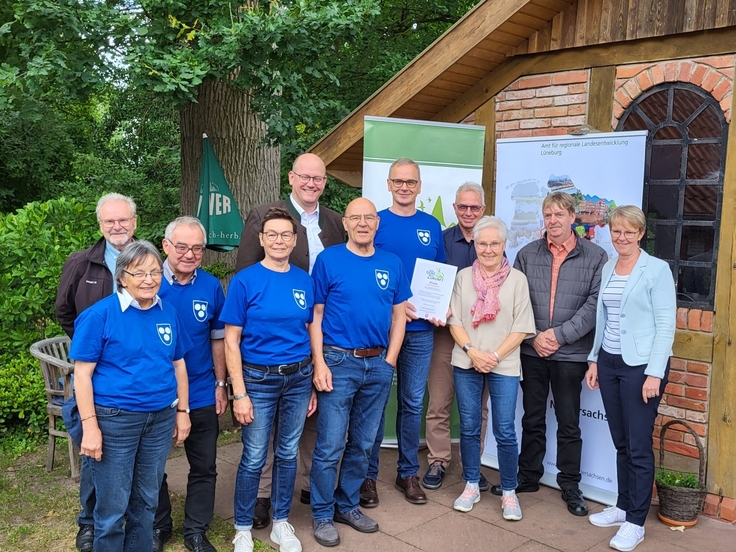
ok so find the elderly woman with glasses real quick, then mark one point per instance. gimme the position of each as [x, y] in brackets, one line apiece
[268, 355]
[491, 316]
[132, 392]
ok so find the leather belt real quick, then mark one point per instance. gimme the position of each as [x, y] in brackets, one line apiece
[280, 369]
[366, 352]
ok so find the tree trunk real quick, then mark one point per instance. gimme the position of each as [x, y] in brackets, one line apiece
[251, 168]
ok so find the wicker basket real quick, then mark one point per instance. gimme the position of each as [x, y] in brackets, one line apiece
[679, 503]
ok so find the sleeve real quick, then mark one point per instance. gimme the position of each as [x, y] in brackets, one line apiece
[236, 303]
[89, 337]
[310, 299]
[249, 250]
[321, 283]
[65, 308]
[217, 326]
[664, 307]
[456, 303]
[403, 290]
[523, 313]
[183, 341]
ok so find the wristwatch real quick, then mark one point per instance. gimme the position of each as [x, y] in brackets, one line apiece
[220, 384]
[183, 410]
[467, 347]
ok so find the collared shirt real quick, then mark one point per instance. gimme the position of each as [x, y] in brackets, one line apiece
[460, 252]
[559, 254]
[126, 300]
[171, 277]
[111, 257]
[310, 221]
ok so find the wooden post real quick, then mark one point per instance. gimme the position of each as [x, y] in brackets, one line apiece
[485, 116]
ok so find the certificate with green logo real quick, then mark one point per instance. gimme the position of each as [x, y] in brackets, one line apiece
[431, 288]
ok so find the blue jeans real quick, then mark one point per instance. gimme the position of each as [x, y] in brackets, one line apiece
[279, 400]
[86, 493]
[503, 391]
[360, 388]
[412, 371]
[135, 446]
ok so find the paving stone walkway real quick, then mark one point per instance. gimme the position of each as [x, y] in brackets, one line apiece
[436, 527]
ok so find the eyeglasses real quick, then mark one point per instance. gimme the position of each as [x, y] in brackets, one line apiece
[471, 208]
[154, 274]
[305, 178]
[628, 234]
[285, 236]
[398, 183]
[182, 249]
[355, 219]
[109, 223]
[482, 246]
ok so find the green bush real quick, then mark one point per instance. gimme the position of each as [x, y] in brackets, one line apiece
[22, 396]
[677, 479]
[35, 241]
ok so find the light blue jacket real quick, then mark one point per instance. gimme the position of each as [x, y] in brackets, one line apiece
[648, 315]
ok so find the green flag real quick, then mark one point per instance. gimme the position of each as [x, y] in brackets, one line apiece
[216, 208]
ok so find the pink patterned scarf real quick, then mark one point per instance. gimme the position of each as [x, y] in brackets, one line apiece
[487, 305]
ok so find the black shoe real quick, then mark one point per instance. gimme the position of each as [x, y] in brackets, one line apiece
[575, 502]
[483, 484]
[85, 538]
[368, 494]
[434, 476]
[306, 497]
[160, 537]
[521, 487]
[261, 517]
[199, 543]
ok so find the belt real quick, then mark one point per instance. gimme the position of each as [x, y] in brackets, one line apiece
[366, 352]
[280, 369]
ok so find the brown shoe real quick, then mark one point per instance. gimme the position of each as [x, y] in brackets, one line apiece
[368, 494]
[412, 490]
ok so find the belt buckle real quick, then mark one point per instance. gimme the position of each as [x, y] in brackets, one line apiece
[356, 353]
[282, 369]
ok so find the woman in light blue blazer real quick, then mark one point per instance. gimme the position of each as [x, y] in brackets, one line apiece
[635, 328]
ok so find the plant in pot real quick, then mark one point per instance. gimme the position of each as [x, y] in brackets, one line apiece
[681, 495]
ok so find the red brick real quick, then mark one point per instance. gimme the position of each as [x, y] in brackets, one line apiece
[670, 412]
[700, 429]
[517, 114]
[670, 71]
[577, 88]
[706, 322]
[534, 82]
[686, 68]
[696, 380]
[628, 71]
[727, 72]
[728, 509]
[549, 131]
[717, 61]
[712, 502]
[697, 394]
[617, 112]
[513, 86]
[655, 443]
[577, 110]
[657, 74]
[697, 367]
[675, 376]
[520, 94]
[678, 364]
[726, 107]
[675, 389]
[632, 88]
[537, 102]
[622, 97]
[682, 449]
[722, 89]
[551, 112]
[691, 416]
[690, 404]
[535, 123]
[673, 435]
[506, 106]
[693, 319]
[551, 91]
[570, 77]
[571, 99]
[644, 80]
[698, 74]
[568, 121]
[501, 96]
[507, 125]
[515, 134]
[682, 318]
[711, 80]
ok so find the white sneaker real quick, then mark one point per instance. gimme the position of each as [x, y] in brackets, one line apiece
[627, 538]
[470, 496]
[282, 534]
[511, 506]
[243, 542]
[610, 517]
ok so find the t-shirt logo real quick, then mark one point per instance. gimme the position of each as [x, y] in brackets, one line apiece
[424, 237]
[382, 278]
[300, 297]
[200, 310]
[164, 333]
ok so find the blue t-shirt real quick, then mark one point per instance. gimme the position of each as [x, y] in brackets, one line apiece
[410, 238]
[358, 294]
[134, 351]
[273, 308]
[199, 304]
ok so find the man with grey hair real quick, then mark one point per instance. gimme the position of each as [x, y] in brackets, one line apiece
[469, 207]
[86, 278]
[198, 298]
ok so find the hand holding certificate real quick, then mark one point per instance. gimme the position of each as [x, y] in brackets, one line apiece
[431, 287]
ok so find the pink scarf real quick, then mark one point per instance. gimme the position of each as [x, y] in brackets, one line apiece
[487, 305]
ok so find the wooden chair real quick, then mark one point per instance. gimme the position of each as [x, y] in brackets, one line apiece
[53, 355]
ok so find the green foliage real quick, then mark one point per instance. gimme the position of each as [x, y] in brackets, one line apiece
[22, 397]
[35, 242]
[218, 269]
[677, 479]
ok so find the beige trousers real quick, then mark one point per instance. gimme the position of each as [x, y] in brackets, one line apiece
[441, 390]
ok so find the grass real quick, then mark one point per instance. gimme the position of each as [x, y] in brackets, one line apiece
[38, 509]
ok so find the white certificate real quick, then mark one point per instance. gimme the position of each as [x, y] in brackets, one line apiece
[431, 287]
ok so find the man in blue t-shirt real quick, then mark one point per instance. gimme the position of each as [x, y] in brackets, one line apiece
[198, 298]
[412, 235]
[358, 327]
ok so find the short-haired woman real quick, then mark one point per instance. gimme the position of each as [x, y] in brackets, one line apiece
[132, 393]
[635, 329]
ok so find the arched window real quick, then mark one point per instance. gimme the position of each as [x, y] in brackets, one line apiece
[683, 183]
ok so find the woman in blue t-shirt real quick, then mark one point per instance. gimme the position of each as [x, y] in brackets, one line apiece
[266, 313]
[132, 392]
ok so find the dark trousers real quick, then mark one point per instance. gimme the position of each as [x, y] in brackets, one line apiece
[201, 451]
[631, 423]
[566, 380]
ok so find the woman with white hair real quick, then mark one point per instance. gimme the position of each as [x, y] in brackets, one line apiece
[491, 316]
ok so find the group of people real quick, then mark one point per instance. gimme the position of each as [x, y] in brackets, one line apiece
[316, 324]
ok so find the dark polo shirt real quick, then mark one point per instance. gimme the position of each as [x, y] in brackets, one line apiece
[460, 252]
